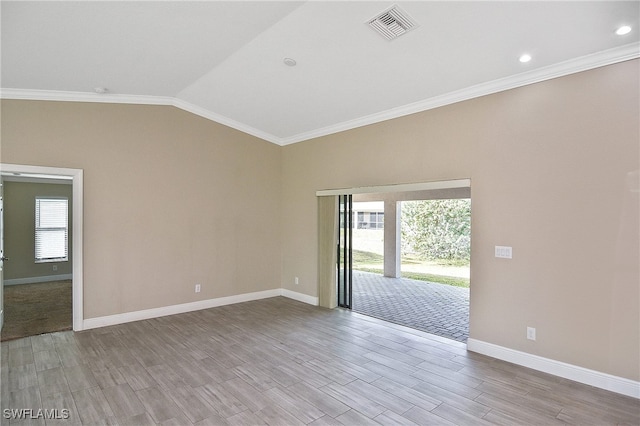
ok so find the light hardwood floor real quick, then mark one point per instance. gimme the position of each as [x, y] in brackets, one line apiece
[281, 362]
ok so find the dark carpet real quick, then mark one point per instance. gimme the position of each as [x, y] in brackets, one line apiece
[32, 309]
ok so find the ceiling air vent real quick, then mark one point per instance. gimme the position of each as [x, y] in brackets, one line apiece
[392, 23]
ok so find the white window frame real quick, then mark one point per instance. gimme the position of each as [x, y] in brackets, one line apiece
[41, 229]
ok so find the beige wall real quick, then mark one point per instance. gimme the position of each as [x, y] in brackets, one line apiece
[170, 200]
[550, 165]
[19, 230]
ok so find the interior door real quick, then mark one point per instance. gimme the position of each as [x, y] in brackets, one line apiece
[345, 259]
[2, 258]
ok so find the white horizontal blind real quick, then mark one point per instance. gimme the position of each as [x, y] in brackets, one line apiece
[52, 229]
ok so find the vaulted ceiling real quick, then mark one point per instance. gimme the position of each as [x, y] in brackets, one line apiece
[224, 60]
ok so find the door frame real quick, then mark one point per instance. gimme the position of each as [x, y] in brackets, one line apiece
[323, 282]
[76, 176]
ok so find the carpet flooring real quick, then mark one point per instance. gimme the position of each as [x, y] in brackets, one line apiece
[32, 309]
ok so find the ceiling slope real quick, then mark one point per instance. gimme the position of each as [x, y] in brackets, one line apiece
[224, 60]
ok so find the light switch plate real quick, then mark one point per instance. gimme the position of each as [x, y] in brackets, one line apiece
[504, 252]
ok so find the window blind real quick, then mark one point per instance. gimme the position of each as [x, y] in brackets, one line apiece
[52, 233]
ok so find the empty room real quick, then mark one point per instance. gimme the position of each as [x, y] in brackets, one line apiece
[209, 153]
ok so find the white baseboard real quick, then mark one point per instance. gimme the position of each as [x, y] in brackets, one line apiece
[108, 320]
[557, 368]
[34, 280]
[300, 297]
[176, 309]
[193, 306]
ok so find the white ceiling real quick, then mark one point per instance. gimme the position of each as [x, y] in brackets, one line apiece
[224, 60]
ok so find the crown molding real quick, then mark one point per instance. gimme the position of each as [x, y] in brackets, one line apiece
[572, 66]
[113, 98]
[221, 119]
[62, 96]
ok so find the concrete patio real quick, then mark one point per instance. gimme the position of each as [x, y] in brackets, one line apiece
[438, 309]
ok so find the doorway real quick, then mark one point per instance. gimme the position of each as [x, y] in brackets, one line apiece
[75, 177]
[429, 290]
[383, 281]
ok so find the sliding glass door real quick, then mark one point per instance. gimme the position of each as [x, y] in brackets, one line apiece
[345, 260]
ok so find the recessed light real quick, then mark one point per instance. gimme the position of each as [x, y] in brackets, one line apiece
[525, 58]
[625, 29]
[289, 62]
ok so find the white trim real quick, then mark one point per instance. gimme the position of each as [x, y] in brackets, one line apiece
[35, 280]
[300, 297]
[557, 368]
[77, 226]
[78, 254]
[28, 179]
[572, 66]
[53, 95]
[194, 306]
[403, 187]
[107, 98]
[229, 122]
[177, 309]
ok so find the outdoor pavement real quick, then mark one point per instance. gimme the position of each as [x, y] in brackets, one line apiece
[438, 309]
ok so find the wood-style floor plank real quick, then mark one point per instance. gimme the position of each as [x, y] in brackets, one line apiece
[123, 401]
[92, 406]
[52, 381]
[319, 399]
[354, 400]
[391, 418]
[46, 359]
[295, 405]
[281, 362]
[158, 404]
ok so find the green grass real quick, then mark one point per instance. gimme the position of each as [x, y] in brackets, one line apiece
[441, 279]
[366, 258]
[368, 262]
[409, 259]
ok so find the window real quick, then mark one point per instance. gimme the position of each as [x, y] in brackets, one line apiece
[370, 220]
[378, 220]
[52, 229]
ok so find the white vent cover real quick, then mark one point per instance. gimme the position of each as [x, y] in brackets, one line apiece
[392, 23]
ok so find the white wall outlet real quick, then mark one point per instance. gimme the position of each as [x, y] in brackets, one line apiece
[197, 288]
[296, 281]
[531, 333]
[504, 252]
[55, 268]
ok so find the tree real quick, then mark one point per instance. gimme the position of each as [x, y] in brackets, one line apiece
[437, 229]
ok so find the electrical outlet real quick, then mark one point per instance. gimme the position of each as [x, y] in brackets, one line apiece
[197, 288]
[55, 268]
[531, 333]
[296, 281]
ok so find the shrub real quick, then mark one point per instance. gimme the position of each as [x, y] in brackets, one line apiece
[437, 229]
